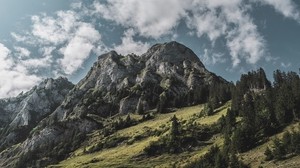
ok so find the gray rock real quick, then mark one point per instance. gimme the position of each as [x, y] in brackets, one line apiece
[26, 110]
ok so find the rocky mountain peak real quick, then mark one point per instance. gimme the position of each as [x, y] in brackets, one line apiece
[172, 52]
[118, 83]
[50, 83]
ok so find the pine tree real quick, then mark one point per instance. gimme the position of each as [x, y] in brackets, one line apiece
[139, 107]
[286, 142]
[279, 150]
[127, 121]
[268, 153]
[234, 161]
[174, 135]
[220, 161]
[174, 128]
[162, 102]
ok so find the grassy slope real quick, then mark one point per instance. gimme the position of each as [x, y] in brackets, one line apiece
[256, 157]
[126, 155]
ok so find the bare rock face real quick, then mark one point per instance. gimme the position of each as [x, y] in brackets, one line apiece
[23, 112]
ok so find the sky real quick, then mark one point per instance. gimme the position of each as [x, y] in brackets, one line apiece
[42, 38]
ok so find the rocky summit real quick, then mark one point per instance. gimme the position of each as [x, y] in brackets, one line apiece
[167, 76]
[119, 84]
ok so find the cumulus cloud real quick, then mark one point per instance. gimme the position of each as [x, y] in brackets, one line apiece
[54, 30]
[286, 7]
[18, 37]
[211, 58]
[79, 48]
[47, 50]
[6, 63]
[15, 77]
[229, 19]
[244, 42]
[129, 46]
[37, 62]
[150, 18]
[22, 52]
[66, 33]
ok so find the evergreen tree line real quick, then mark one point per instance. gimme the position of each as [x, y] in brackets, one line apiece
[217, 93]
[264, 108]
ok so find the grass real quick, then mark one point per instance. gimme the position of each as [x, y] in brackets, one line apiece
[256, 157]
[208, 120]
[125, 155]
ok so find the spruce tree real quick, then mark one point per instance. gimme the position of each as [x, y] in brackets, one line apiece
[279, 150]
[174, 135]
[269, 154]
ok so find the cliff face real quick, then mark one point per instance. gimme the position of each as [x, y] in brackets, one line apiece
[163, 77]
[20, 114]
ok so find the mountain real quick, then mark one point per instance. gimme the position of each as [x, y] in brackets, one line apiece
[59, 115]
[20, 114]
[118, 84]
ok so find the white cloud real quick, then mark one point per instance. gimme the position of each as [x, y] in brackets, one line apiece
[78, 38]
[79, 48]
[66, 34]
[150, 18]
[15, 77]
[37, 62]
[207, 23]
[244, 42]
[129, 46]
[5, 62]
[47, 50]
[212, 58]
[22, 52]
[18, 37]
[228, 19]
[286, 7]
[54, 30]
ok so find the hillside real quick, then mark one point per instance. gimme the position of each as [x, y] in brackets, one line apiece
[129, 152]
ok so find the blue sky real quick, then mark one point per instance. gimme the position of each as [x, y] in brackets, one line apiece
[43, 38]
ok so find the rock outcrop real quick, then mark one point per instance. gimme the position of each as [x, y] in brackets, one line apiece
[20, 114]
